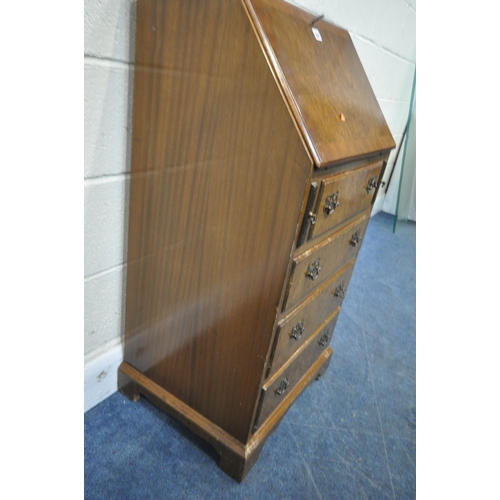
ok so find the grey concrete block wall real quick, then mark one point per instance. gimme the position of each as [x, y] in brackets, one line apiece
[106, 116]
[384, 35]
[103, 308]
[108, 74]
[104, 226]
[107, 29]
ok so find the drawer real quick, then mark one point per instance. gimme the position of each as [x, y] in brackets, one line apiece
[287, 347]
[316, 265]
[344, 196]
[294, 330]
[277, 388]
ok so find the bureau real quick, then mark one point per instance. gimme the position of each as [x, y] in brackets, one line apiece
[257, 151]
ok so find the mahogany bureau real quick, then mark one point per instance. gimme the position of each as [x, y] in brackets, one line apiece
[258, 148]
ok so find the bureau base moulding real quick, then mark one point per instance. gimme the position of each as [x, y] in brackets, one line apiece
[236, 459]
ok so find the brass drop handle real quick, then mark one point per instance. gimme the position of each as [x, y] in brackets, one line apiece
[312, 218]
[331, 203]
[372, 184]
[313, 270]
[297, 330]
[324, 339]
[282, 387]
[355, 238]
[340, 291]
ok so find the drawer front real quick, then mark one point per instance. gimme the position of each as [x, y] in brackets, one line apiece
[287, 346]
[279, 387]
[316, 265]
[294, 330]
[324, 337]
[343, 196]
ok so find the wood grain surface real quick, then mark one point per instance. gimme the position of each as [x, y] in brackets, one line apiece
[277, 389]
[311, 316]
[243, 123]
[236, 459]
[218, 177]
[323, 81]
[352, 197]
[330, 255]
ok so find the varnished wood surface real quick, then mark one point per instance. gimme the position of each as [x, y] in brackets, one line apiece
[308, 236]
[274, 393]
[322, 81]
[315, 371]
[352, 197]
[347, 165]
[313, 312]
[236, 459]
[227, 118]
[331, 254]
[129, 375]
[311, 316]
[218, 178]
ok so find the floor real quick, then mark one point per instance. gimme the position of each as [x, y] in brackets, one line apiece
[350, 435]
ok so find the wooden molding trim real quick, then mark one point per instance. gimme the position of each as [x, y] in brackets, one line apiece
[236, 458]
[182, 410]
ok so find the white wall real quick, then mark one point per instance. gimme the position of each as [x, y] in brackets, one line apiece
[108, 91]
[402, 191]
[384, 35]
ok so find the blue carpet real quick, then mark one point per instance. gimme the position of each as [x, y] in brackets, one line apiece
[351, 435]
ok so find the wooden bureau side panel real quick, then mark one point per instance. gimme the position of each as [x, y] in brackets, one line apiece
[218, 176]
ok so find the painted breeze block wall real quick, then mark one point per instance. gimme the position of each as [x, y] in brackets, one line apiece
[383, 33]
